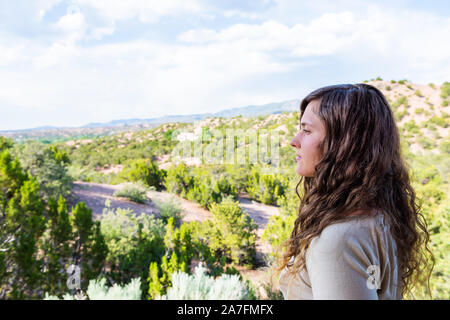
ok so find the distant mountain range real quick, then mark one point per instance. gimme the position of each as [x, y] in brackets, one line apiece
[96, 129]
[248, 111]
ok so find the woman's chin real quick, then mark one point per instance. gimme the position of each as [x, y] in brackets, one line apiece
[302, 172]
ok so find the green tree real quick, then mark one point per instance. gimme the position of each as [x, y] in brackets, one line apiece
[90, 248]
[155, 287]
[143, 170]
[25, 222]
[11, 179]
[232, 231]
[57, 244]
[133, 241]
[178, 180]
[179, 241]
[266, 188]
[160, 277]
[5, 143]
[48, 165]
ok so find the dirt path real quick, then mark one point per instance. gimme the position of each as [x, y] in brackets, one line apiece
[260, 213]
[95, 195]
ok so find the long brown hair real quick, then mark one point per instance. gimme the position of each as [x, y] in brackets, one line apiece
[361, 168]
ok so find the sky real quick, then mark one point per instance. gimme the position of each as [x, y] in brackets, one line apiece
[70, 63]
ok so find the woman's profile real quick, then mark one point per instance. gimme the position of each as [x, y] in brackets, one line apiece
[359, 233]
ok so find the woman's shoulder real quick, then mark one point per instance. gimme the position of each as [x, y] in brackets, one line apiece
[361, 229]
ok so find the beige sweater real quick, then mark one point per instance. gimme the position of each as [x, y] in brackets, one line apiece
[352, 259]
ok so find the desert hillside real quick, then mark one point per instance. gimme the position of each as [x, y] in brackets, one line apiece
[421, 111]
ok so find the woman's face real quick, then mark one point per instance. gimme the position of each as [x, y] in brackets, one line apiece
[308, 139]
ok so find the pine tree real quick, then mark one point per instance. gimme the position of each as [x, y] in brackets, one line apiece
[38, 238]
[155, 288]
[11, 178]
[25, 223]
[90, 249]
[232, 231]
[56, 245]
[178, 241]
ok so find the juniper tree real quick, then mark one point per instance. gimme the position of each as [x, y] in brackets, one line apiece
[25, 223]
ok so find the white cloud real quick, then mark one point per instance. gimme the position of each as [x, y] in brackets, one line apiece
[241, 14]
[145, 10]
[42, 6]
[72, 22]
[98, 33]
[64, 49]
[323, 36]
[380, 33]
[10, 55]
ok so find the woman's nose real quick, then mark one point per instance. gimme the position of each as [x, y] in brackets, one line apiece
[294, 142]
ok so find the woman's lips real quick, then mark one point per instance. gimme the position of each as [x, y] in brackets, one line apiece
[298, 158]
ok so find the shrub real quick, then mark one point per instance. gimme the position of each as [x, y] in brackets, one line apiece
[429, 125]
[441, 122]
[238, 176]
[266, 188]
[399, 115]
[393, 81]
[409, 87]
[445, 147]
[411, 126]
[132, 191]
[401, 81]
[169, 209]
[231, 232]
[199, 184]
[388, 88]
[432, 85]
[143, 170]
[214, 259]
[160, 275]
[403, 100]
[202, 287]
[444, 103]
[208, 188]
[133, 243]
[436, 135]
[425, 142]
[97, 290]
[178, 180]
[180, 248]
[445, 90]
[419, 111]
[180, 241]
[48, 165]
[418, 93]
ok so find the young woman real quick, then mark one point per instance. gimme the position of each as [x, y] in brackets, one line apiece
[359, 233]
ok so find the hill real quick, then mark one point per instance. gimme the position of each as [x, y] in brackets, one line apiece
[92, 130]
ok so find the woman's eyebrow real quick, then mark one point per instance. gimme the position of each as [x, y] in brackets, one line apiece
[304, 123]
